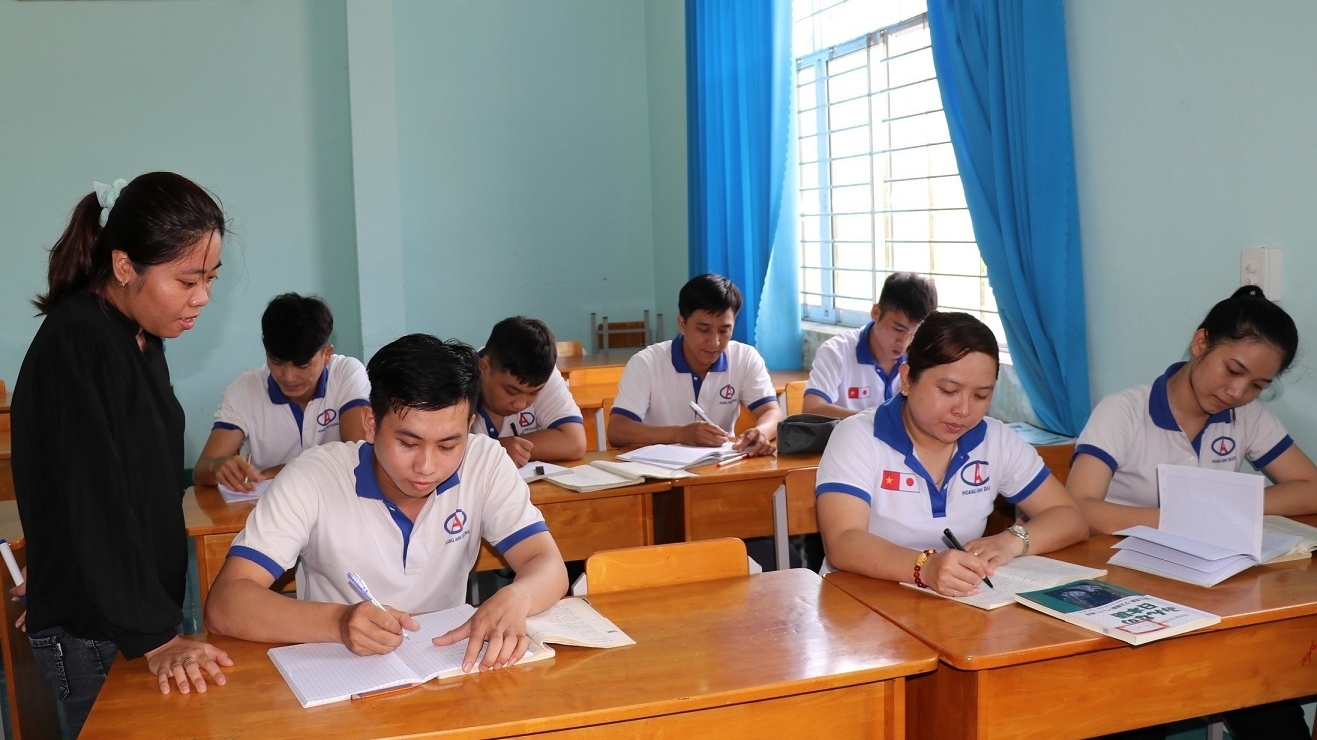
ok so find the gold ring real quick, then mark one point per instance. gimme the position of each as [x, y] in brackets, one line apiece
[185, 660]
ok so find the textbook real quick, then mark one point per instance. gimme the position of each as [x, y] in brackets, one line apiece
[601, 474]
[1025, 573]
[1283, 525]
[231, 496]
[1210, 528]
[1117, 612]
[680, 457]
[327, 672]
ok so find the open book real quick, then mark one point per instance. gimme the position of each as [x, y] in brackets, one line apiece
[602, 474]
[231, 496]
[535, 470]
[1210, 528]
[680, 457]
[1117, 612]
[1021, 574]
[327, 672]
[1284, 525]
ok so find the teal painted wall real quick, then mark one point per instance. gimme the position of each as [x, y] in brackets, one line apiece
[1193, 140]
[248, 99]
[525, 166]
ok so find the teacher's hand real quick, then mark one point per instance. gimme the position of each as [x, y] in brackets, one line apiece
[187, 663]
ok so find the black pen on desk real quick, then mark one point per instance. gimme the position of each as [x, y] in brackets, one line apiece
[956, 544]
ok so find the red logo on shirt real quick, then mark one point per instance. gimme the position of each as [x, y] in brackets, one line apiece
[895, 480]
[1223, 445]
[525, 419]
[455, 522]
[857, 392]
[975, 473]
[727, 392]
[326, 417]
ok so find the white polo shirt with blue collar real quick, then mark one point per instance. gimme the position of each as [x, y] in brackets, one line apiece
[658, 385]
[277, 430]
[327, 508]
[553, 407]
[870, 456]
[1133, 430]
[846, 374]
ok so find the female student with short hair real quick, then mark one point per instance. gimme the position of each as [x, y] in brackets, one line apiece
[1205, 413]
[98, 439]
[894, 477]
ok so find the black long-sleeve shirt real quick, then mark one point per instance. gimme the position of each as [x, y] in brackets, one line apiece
[98, 472]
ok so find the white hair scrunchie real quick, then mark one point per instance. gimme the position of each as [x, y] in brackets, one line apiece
[106, 195]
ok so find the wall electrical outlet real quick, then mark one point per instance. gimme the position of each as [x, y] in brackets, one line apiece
[1261, 267]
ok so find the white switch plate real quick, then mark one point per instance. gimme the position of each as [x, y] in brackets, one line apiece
[1261, 267]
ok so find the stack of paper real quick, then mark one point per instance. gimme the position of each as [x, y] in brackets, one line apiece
[680, 457]
[231, 496]
[1210, 529]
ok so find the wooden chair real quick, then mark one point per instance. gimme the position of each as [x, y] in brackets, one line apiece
[617, 334]
[596, 376]
[793, 511]
[795, 393]
[595, 382]
[665, 565]
[570, 348]
[32, 711]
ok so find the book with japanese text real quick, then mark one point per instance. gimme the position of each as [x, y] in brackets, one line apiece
[1117, 612]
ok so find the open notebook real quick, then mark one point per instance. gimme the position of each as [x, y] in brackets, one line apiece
[231, 496]
[601, 474]
[1027, 573]
[680, 457]
[327, 672]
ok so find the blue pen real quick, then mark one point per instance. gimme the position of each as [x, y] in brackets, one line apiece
[364, 590]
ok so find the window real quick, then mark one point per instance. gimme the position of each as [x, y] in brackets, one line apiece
[880, 191]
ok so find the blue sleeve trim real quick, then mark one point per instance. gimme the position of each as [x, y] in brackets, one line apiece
[1097, 452]
[761, 402]
[1033, 486]
[514, 539]
[258, 557]
[847, 489]
[353, 404]
[567, 420]
[627, 414]
[1275, 452]
[819, 393]
[226, 425]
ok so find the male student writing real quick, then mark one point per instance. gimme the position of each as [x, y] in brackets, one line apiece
[406, 510]
[860, 368]
[524, 402]
[703, 365]
[303, 396]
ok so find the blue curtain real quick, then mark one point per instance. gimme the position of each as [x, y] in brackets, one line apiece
[1001, 67]
[741, 164]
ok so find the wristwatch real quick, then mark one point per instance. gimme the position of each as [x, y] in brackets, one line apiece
[1023, 534]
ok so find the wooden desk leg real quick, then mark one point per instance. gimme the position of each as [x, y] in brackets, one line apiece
[669, 517]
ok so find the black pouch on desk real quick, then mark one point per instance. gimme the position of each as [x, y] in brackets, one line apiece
[804, 433]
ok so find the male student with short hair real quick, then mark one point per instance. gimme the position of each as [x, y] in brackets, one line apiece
[524, 402]
[406, 510]
[860, 368]
[303, 396]
[702, 364]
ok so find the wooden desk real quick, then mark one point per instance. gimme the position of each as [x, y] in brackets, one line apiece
[609, 358]
[1016, 673]
[732, 501]
[775, 655]
[581, 523]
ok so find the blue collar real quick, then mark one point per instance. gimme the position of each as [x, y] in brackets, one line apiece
[889, 428]
[1159, 405]
[864, 356]
[369, 487]
[277, 396]
[679, 359]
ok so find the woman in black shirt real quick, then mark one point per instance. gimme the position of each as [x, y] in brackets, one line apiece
[97, 440]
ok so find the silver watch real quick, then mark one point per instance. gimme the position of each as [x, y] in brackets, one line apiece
[1023, 534]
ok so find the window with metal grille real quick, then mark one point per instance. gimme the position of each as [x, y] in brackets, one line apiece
[880, 191]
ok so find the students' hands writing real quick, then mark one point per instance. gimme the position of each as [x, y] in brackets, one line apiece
[519, 449]
[997, 550]
[236, 473]
[955, 573]
[702, 434]
[365, 629]
[188, 663]
[755, 443]
[501, 622]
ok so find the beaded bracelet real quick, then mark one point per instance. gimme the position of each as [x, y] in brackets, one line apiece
[919, 564]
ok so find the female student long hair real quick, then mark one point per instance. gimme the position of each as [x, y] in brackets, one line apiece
[154, 220]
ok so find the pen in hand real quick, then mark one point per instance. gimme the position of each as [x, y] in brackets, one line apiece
[248, 460]
[700, 413]
[364, 590]
[956, 544]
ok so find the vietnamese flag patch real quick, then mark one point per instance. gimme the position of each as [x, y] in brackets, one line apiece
[895, 480]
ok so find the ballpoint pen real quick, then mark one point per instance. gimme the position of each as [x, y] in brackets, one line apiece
[956, 544]
[700, 413]
[364, 590]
